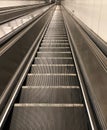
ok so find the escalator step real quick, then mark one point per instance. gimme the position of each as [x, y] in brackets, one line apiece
[55, 35]
[54, 54]
[44, 49]
[48, 118]
[55, 45]
[55, 41]
[53, 61]
[50, 95]
[52, 80]
[55, 38]
[53, 69]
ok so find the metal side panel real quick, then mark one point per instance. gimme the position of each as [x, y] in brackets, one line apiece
[19, 54]
[93, 69]
[12, 57]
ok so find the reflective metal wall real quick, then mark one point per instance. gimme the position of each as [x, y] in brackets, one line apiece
[8, 3]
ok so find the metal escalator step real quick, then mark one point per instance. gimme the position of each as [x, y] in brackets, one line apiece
[44, 49]
[50, 95]
[54, 54]
[55, 38]
[56, 29]
[57, 25]
[49, 118]
[52, 80]
[55, 45]
[54, 33]
[52, 74]
[52, 69]
[62, 87]
[49, 35]
[54, 41]
[53, 61]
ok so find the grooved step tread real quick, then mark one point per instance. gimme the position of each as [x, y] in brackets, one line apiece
[53, 41]
[54, 49]
[52, 80]
[50, 95]
[56, 54]
[55, 38]
[49, 118]
[53, 69]
[54, 45]
[53, 61]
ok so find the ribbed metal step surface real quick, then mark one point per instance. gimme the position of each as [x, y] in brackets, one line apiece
[55, 45]
[45, 60]
[51, 98]
[48, 118]
[56, 38]
[54, 54]
[61, 41]
[53, 69]
[52, 80]
[54, 49]
[51, 95]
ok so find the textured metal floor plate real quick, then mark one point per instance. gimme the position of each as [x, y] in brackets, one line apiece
[55, 38]
[43, 49]
[55, 35]
[54, 54]
[52, 69]
[49, 118]
[50, 95]
[58, 33]
[53, 61]
[55, 45]
[52, 80]
[55, 41]
[50, 35]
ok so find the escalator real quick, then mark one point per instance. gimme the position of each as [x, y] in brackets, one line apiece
[51, 97]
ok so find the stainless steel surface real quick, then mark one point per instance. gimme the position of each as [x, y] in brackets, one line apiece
[12, 24]
[34, 45]
[93, 66]
[51, 95]
[51, 98]
[53, 69]
[48, 118]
